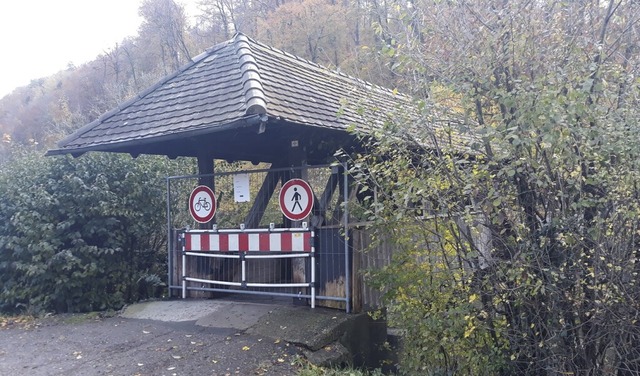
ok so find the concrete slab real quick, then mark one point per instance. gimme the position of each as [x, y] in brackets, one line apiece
[207, 313]
[311, 328]
[316, 330]
[175, 310]
[241, 316]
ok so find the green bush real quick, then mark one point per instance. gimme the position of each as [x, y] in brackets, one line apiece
[81, 234]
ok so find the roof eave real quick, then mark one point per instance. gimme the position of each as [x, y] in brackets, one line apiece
[249, 121]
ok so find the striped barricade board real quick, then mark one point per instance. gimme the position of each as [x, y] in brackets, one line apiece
[289, 240]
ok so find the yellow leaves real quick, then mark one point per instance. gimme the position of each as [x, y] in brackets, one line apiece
[443, 95]
[469, 331]
[15, 321]
[246, 348]
[470, 327]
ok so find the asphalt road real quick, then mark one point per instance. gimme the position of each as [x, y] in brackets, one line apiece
[81, 345]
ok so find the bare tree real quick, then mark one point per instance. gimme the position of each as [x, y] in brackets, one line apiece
[164, 27]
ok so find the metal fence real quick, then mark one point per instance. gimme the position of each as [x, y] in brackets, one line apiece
[247, 203]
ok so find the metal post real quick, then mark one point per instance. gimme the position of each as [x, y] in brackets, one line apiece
[313, 279]
[184, 270]
[170, 251]
[347, 284]
[244, 269]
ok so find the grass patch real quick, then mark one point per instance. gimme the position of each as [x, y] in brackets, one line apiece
[308, 369]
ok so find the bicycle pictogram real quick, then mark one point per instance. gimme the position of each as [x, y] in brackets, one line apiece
[202, 204]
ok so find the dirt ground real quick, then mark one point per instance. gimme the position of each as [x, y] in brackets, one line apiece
[92, 345]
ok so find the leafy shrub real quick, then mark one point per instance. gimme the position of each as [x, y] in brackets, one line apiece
[81, 234]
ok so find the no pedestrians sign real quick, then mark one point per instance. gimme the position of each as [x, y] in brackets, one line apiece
[296, 199]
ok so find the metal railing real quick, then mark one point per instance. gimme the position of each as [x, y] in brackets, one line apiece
[245, 251]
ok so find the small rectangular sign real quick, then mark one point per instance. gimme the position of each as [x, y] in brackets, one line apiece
[241, 188]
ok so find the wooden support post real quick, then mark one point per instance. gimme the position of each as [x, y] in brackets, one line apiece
[320, 206]
[298, 158]
[262, 199]
[201, 267]
[337, 211]
[206, 166]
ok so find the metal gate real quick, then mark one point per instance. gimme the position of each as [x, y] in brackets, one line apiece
[252, 248]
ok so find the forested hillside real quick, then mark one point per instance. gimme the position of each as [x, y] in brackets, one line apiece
[339, 35]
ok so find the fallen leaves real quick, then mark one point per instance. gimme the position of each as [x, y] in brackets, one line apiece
[24, 322]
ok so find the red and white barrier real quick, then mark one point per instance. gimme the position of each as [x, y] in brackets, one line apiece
[286, 241]
[290, 243]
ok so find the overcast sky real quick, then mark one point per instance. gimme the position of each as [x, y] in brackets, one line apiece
[41, 37]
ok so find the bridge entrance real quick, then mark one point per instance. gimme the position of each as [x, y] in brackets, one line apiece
[269, 235]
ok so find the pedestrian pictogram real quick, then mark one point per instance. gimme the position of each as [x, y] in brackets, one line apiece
[296, 199]
[202, 204]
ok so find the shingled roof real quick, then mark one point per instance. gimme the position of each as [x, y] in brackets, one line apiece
[245, 101]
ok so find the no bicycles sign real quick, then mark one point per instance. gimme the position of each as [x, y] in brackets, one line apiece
[202, 204]
[296, 199]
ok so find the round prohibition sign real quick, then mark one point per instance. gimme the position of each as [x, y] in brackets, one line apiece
[202, 204]
[296, 199]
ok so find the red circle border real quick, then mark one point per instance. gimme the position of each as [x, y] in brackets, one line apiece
[209, 216]
[307, 188]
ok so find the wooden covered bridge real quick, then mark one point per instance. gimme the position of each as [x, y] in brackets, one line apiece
[244, 101]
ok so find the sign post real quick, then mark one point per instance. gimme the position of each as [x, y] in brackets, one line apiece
[296, 199]
[202, 204]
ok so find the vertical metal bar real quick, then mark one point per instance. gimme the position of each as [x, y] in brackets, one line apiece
[347, 284]
[313, 271]
[184, 272]
[244, 270]
[170, 247]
